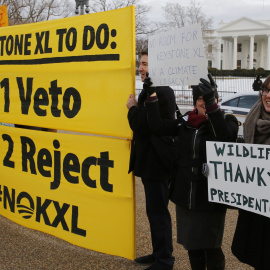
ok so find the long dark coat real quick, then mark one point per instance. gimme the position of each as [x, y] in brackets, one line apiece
[144, 158]
[251, 242]
[191, 191]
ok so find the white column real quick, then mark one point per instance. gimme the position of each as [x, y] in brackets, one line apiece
[230, 55]
[268, 53]
[224, 54]
[262, 49]
[219, 54]
[251, 51]
[234, 52]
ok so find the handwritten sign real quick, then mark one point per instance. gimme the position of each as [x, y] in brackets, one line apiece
[239, 175]
[177, 57]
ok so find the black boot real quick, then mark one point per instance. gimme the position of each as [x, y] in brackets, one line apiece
[212, 265]
[197, 259]
[215, 259]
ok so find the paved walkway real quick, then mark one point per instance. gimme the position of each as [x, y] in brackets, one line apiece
[26, 249]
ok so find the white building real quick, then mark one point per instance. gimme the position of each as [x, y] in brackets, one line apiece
[243, 43]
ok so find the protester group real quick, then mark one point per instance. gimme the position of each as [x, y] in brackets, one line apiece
[168, 153]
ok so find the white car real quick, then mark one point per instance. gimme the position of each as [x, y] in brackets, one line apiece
[239, 105]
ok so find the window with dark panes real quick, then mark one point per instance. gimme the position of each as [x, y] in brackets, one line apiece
[239, 47]
[255, 47]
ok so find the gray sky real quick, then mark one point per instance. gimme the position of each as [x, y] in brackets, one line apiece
[225, 10]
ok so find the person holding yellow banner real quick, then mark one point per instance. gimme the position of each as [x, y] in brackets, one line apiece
[145, 163]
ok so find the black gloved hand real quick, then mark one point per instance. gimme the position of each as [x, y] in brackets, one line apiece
[147, 85]
[257, 84]
[208, 90]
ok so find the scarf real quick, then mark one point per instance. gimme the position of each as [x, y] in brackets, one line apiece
[257, 125]
[195, 120]
[141, 99]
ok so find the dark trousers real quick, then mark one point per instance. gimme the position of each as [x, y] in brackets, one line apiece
[208, 258]
[157, 198]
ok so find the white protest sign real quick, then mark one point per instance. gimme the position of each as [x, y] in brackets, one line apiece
[177, 57]
[239, 175]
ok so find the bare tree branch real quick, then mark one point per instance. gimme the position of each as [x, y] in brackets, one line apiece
[142, 25]
[179, 16]
[28, 11]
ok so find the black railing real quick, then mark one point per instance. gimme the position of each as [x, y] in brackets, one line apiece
[184, 97]
[226, 86]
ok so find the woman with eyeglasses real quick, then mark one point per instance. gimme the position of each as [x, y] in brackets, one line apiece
[200, 223]
[251, 243]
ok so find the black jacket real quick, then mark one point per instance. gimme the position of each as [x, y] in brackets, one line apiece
[251, 240]
[144, 160]
[191, 187]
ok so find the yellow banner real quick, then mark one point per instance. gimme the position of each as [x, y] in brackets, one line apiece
[71, 186]
[71, 74]
[3, 16]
